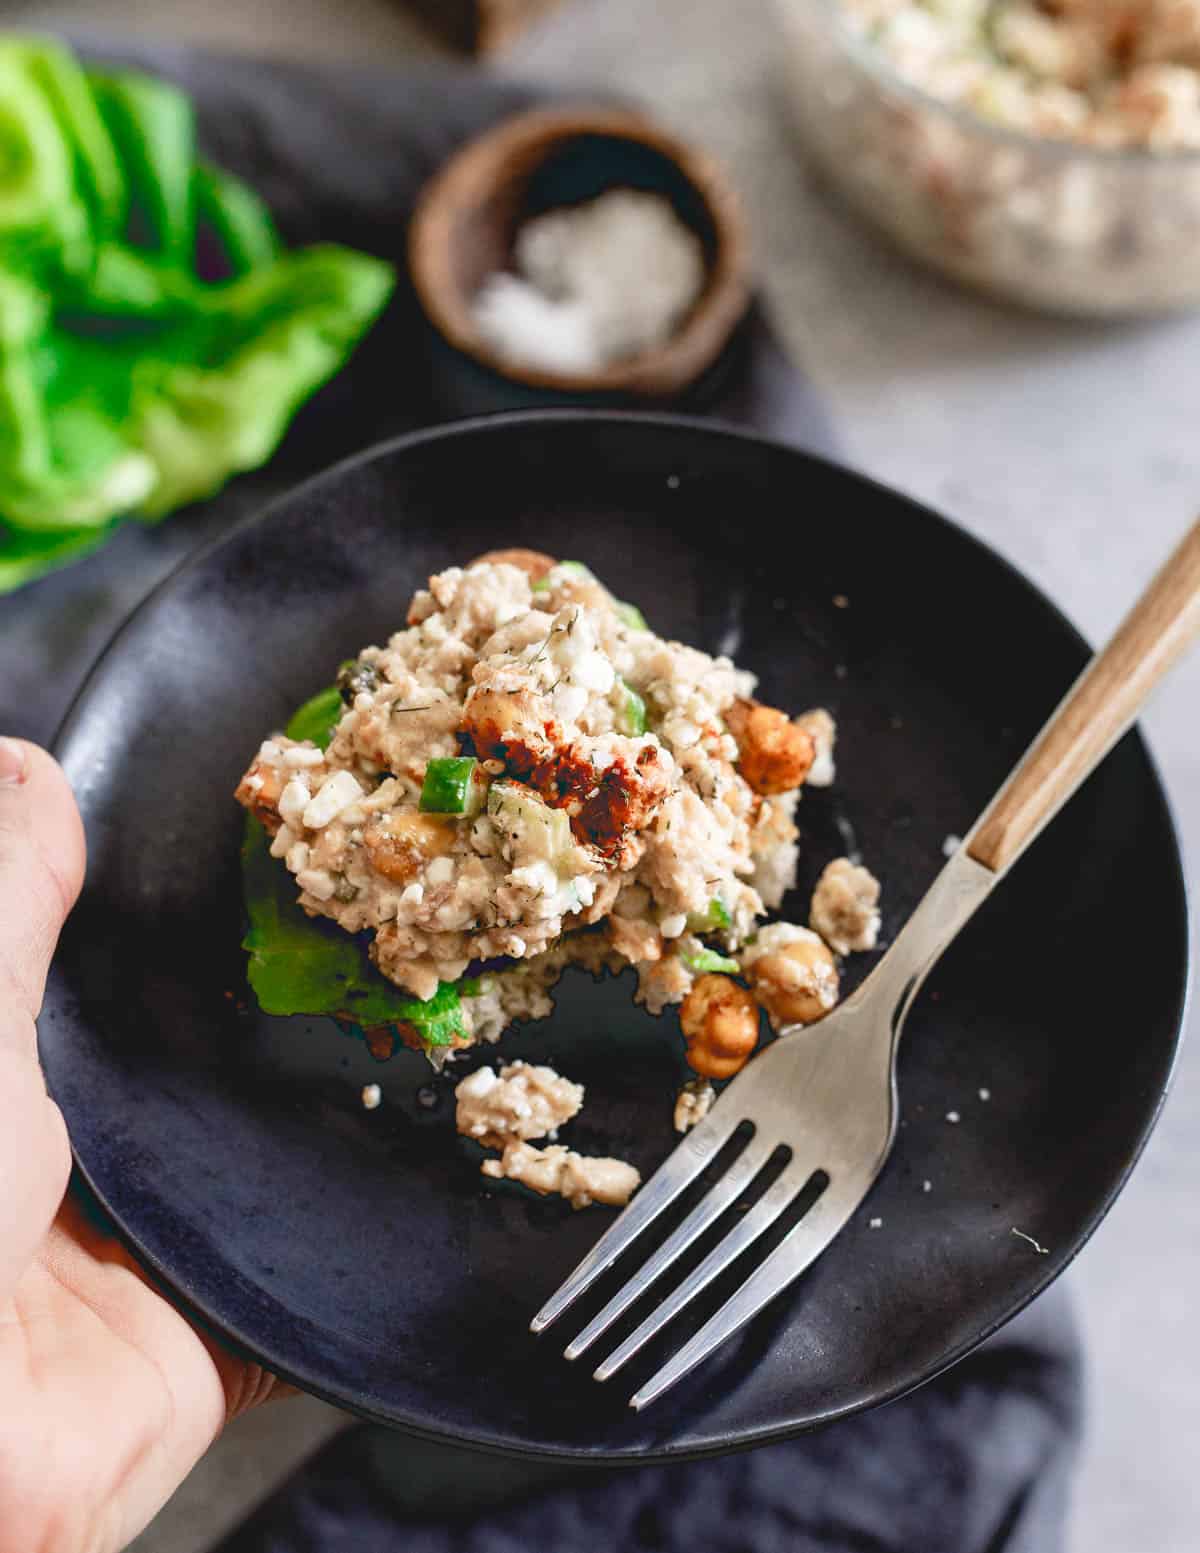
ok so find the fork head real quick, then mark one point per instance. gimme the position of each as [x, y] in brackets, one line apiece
[823, 1096]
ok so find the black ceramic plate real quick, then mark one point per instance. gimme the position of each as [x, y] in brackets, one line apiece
[360, 1253]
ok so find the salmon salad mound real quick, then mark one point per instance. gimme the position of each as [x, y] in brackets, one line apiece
[527, 777]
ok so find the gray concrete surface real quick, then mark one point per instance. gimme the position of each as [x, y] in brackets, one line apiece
[1071, 448]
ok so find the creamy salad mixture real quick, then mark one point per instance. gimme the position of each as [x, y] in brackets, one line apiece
[1103, 72]
[526, 774]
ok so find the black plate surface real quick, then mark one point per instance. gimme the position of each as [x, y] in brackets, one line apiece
[360, 1253]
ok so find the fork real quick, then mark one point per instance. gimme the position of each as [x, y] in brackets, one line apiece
[827, 1091]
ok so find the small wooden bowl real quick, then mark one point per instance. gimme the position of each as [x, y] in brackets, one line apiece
[467, 218]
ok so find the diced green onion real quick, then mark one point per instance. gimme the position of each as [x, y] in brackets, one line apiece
[317, 718]
[702, 961]
[575, 568]
[631, 714]
[451, 787]
[631, 615]
[542, 585]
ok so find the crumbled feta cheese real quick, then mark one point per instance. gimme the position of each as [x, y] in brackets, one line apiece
[336, 793]
[568, 702]
[293, 801]
[371, 1096]
[953, 1116]
[822, 729]
[300, 755]
[594, 672]
[282, 841]
[319, 884]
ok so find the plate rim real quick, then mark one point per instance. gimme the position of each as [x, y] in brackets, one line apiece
[194, 1307]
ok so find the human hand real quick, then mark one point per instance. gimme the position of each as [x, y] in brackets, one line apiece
[108, 1395]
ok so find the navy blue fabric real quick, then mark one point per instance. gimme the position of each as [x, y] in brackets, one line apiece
[976, 1461]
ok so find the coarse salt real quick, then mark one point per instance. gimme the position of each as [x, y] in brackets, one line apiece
[597, 282]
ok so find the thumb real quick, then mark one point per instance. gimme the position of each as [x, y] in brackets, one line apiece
[41, 869]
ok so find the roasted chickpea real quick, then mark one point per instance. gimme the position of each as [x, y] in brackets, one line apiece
[260, 791]
[796, 983]
[401, 843]
[586, 591]
[774, 753]
[719, 1020]
[845, 907]
[534, 562]
[509, 724]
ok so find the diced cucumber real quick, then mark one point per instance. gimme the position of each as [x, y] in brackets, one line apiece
[704, 961]
[631, 615]
[546, 831]
[631, 711]
[712, 919]
[451, 786]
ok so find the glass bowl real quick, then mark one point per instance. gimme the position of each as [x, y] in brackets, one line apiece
[1047, 223]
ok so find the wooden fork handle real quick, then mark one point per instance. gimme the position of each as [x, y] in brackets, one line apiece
[1098, 709]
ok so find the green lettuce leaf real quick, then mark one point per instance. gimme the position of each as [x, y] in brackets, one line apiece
[308, 965]
[317, 718]
[129, 384]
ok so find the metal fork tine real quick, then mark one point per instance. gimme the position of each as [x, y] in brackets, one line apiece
[678, 1170]
[797, 1251]
[731, 1185]
[747, 1230]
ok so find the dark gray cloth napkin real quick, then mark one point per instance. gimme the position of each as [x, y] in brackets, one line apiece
[976, 1461]
[339, 156]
